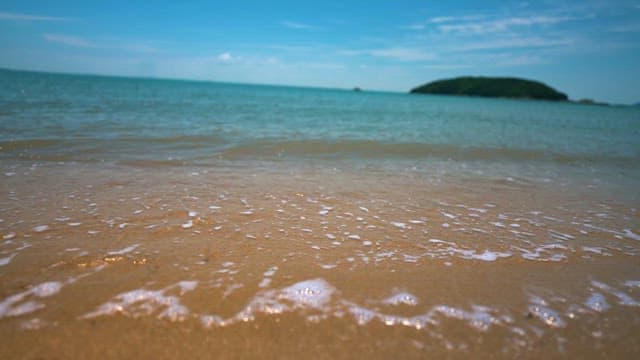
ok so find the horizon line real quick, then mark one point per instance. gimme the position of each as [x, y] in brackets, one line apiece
[161, 78]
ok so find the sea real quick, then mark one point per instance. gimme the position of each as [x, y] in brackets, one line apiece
[157, 218]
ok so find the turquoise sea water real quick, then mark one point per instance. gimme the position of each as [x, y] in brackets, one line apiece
[51, 117]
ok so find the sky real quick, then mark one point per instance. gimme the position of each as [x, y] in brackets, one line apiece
[587, 49]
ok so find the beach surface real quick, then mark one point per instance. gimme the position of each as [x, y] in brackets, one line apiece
[267, 227]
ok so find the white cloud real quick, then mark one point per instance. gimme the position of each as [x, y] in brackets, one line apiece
[69, 40]
[227, 58]
[27, 17]
[402, 54]
[299, 26]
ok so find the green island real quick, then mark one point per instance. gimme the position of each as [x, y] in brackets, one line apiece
[491, 87]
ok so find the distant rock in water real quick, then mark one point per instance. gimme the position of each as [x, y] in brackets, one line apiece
[357, 89]
[491, 87]
[591, 102]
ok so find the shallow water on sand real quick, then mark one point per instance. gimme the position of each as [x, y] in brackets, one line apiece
[285, 260]
[174, 219]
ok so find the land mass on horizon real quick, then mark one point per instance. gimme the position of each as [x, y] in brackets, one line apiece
[491, 87]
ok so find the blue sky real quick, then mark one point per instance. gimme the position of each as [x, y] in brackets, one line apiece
[588, 49]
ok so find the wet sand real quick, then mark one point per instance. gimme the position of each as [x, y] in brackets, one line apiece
[114, 261]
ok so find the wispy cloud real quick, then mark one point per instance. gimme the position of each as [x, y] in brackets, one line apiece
[522, 60]
[30, 17]
[500, 25]
[628, 28]
[69, 40]
[394, 53]
[514, 42]
[299, 25]
[447, 19]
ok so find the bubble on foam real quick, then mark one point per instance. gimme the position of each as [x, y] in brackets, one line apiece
[539, 309]
[597, 302]
[41, 228]
[480, 318]
[401, 298]
[399, 225]
[126, 250]
[188, 224]
[312, 294]
[9, 236]
[367, 243]
[354, 237]
[193, 213]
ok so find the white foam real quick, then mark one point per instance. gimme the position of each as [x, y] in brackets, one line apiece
[539, 309]
[632, 283]
[47, 289]
[193, 213]
[623, 298]
[597, 302]
[315, 293]
[6, 260]
[354, 237]
[631, 235]
[126, 250]
[401, 298]
[480, 318]
[8, 236]
[186, 286]
[188, 224]
[400, 225]
[41, 228]
[11, 307]
[146, 302]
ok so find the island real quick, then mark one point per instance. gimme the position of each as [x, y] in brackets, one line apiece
[491, 87]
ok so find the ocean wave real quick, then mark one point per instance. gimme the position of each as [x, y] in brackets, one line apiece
[271, 149]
